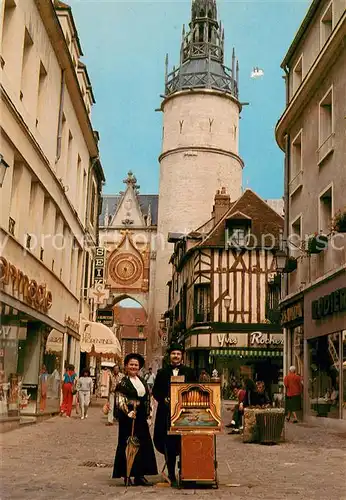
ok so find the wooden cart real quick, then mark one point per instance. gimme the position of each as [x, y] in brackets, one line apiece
[196, 417]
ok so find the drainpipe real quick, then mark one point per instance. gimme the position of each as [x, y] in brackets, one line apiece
[61, 113]
[286, 198]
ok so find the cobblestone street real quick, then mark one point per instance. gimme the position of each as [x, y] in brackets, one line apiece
[46, 461]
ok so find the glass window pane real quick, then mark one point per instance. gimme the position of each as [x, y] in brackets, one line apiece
[324, 376]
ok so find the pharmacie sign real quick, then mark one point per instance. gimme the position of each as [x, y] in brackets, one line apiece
[330, 304]
[34, 294]
[260, 339]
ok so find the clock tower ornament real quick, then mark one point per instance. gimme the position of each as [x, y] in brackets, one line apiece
[125, 269]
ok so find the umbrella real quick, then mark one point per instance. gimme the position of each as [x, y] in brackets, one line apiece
[131, 449]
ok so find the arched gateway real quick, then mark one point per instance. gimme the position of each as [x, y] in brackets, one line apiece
[128, 234]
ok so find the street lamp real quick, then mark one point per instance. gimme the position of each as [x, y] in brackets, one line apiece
[227, 301]
[3, 168]
[281, 260]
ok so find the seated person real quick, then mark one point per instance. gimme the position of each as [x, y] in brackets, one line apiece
[236, 422]
[262, 398]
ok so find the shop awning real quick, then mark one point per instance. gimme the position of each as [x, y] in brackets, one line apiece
[246, 353]
[54, 342]
[98, 337]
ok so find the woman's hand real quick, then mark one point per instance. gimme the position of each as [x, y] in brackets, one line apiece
[132, 414]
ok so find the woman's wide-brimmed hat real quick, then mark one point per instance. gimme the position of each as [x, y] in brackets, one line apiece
[134, 355]
[175, 347]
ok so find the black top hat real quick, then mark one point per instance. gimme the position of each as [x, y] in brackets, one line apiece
[175, 347]
[134, 355]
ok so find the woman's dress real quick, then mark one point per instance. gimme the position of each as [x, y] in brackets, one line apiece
[145, 461]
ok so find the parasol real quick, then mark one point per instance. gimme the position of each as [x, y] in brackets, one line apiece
[131, 449]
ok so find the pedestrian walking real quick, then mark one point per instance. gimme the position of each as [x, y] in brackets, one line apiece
[294, 388]
[84, 389]
[169, 446]
[150, 379]
[68, 387]
[114, 378]
[133, 400]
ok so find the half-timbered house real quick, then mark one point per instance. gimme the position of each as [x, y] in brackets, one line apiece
[224, 292]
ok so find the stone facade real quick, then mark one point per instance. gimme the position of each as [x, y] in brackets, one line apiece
[50, 195]
[128, 225]
[311, 132]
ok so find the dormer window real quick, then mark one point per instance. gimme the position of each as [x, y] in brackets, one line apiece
[237, 230]
[238, 236]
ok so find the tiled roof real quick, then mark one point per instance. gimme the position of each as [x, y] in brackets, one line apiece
[130, 319]
[264, 220]
[144, 200]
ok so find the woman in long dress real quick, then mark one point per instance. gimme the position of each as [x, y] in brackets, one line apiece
[133, 403]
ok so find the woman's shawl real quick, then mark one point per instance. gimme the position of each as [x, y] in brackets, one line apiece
[126, 392]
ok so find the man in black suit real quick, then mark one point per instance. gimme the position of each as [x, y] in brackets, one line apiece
[169, 445]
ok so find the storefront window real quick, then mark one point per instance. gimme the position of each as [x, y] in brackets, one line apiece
[50, 373]
[344, 372]
[9, 379]
[297, 344]
[324, 378]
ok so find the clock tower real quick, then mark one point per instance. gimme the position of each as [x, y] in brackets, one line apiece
[200, 145]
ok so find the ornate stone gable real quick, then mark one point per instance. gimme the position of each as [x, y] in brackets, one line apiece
[128, 212]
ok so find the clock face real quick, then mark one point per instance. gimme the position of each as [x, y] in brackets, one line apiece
[125, 269]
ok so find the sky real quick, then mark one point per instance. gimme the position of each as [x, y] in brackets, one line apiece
[125, 44]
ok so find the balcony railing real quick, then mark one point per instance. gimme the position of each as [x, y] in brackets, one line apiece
[296, 182]
[202, 315]
[326, 148]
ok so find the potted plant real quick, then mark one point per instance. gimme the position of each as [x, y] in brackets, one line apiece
[339, 221]
[316, 243]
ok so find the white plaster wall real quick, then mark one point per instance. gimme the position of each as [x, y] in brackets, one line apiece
[199, 156]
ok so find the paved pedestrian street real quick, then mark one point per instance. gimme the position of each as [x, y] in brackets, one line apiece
[57, 459]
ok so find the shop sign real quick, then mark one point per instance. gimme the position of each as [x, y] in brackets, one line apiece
[71, 323]
[330, 304]
[226, 339]
[258, 338]
[99, 266]
[105, 317]
[292, 313]
[33, 294]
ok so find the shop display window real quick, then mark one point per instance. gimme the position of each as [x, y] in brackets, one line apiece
[324, 377]
[344, 372]
[10, 381]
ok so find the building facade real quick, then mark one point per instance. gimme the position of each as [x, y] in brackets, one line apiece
[224, 291]
[50, 199]
[128, 230]
[311, 132]
[200, 138]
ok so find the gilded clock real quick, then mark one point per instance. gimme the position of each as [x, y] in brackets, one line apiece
[125, 268]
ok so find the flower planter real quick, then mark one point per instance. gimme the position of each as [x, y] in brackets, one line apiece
[339, 222]
[317, 243]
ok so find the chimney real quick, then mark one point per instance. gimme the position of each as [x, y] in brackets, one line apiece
[221, 205]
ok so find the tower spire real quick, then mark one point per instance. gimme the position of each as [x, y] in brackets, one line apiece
[202, 54]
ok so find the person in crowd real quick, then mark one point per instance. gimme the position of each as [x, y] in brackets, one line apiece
[236, 423]
[150, 379]
[294, 388]
[250, 397]
[114, 379]
[43, 388]
[133, 401]
[204, 377]
[84, 388]
[262, 397]
[67, 387]
[169, 446]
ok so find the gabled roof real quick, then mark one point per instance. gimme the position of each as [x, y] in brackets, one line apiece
[264, 219]
[238, 216]
[111, 202]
